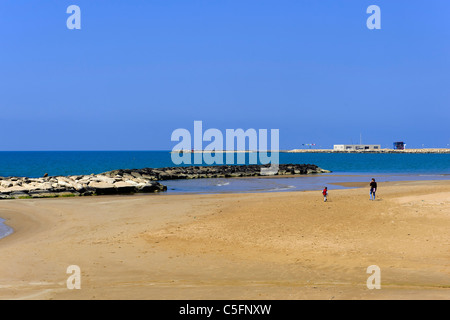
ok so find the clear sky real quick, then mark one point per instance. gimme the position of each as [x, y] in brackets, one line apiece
[139, 69]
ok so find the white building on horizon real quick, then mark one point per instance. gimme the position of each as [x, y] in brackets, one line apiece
[356, 147]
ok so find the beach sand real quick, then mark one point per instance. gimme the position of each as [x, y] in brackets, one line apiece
[288, 245]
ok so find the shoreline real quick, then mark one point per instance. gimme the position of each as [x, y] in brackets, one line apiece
[8, 230]
[287, 245]
[5, 230]
[131, 181]
[288, 183]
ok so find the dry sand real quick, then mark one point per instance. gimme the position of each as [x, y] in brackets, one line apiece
[288, 245]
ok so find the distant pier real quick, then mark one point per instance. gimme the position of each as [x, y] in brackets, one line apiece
[423, 150]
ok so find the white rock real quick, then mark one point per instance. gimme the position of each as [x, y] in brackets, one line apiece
[78, 187]
[101, 185]
[132, 182]
[6, 184]
[64, 184]
[121, 184]
[45, 186]
[105, 179]
[17, 188]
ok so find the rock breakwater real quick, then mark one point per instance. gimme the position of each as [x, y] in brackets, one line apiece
[225, 171]
[130, 181]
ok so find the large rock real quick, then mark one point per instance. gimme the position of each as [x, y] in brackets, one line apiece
[6, 184]
[102, 188]
[124, 187]
[102, 178]
[152, 187]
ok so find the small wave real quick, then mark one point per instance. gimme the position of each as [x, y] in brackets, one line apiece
[222, 184]
[282, 188]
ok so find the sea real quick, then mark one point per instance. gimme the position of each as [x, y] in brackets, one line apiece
[345, 167]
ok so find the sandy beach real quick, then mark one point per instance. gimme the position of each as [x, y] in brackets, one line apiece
[288, 245]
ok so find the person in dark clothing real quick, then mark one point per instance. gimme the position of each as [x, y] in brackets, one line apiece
[373, 189]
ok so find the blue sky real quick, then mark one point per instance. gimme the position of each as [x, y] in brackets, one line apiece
[137, 70]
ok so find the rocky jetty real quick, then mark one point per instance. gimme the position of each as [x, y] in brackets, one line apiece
[225, 171]
[129, 181]
[49, 187]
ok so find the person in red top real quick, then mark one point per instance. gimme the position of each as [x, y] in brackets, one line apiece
[325, 194]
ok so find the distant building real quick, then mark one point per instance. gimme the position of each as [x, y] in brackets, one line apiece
[356, 147]
[400, 145]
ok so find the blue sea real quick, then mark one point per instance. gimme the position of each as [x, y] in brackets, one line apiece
[345, 167]
[36, 164]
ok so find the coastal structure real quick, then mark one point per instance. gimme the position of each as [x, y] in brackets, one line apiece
[384, 150]
[399, 145]
[356, 147]
[130, 181]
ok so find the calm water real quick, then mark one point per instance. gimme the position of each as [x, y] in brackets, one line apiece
[36, 164]
[300, 183]
[345, 167]
[4, 229]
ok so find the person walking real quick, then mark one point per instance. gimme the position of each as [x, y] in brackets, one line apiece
[373, 189]
[325, 194]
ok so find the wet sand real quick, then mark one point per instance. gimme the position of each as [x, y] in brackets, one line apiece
[288, 245]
